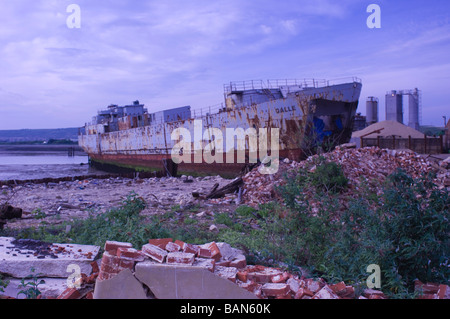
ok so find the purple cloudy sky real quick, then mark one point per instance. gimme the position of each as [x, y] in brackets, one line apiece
[173, 53]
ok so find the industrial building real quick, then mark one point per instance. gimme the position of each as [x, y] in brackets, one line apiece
[394, 107]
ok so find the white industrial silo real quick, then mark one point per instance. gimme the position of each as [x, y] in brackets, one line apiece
[371, 110]
[413, 105]
[394, 106]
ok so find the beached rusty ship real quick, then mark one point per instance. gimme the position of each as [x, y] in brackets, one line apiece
[305, 113]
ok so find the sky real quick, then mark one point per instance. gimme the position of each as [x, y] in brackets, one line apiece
[174, 53]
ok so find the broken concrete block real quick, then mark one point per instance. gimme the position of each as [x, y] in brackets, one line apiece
[18, 257]
[122, 286]
[154, 252]
[229, 273]
[205, 263]
[187, 282]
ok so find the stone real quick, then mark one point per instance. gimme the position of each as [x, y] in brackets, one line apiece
[187, 282]
[122, 286]
[51, 262]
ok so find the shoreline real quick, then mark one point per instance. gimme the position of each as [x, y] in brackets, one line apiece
[65, 201]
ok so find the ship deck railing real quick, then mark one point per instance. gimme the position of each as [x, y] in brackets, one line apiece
[240, 86]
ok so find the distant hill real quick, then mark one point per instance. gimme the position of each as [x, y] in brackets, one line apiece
[35, 135]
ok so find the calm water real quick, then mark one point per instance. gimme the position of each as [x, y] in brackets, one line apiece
[20, 162]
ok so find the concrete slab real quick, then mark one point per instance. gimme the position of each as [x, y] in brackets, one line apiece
[52, 288]
[18, 257]
[122, 286]
[187, 282]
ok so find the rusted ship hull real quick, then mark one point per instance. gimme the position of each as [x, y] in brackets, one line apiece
[305, 116]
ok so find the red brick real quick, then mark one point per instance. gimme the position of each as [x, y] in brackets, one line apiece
[70, 293]
[275, 290]
[314, 285]
[242, 276]
[303, 293]
[280, 278]
[265, 275]
[129, 254]
[180, 258]
[342, 290]
[373, 294]
[112, 246]
[239, 262]
[95, 268]
[172, 247]
[154, 252]
[216, 255]
[180, 243]
[190, 248]
[250, 286]
[443, 292]
[126, 264]
[428, 288]
[210, 250]
[160, 242]
[325, 293]
[110, 260]
[294, 284]
[338, 287]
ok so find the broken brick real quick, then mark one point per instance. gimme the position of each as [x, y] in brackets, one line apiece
[275, 289]
[210, 251]
[242, 276]
[180, 243]
[160, 242]
[70, 293]
[325, 293]
[172, 247]
[190, 248]
[180, 258]
[443, 292]
[129, 254]
[239, 262]
[95, 268]
[156, 253]
[303, 293]
[112, 246]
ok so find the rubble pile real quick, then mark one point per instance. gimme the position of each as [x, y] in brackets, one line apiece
[230, 264]
[369, 166]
